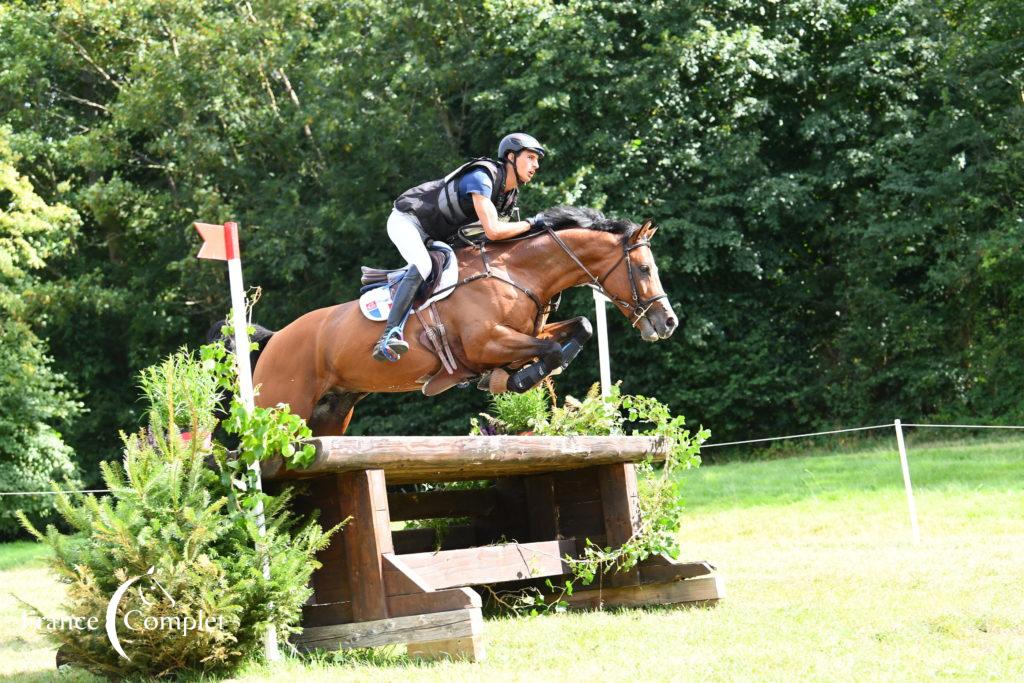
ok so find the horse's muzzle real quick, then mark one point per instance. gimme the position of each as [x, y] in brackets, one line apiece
[663, 322]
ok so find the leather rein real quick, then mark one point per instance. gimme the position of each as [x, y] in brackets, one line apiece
[637, 308]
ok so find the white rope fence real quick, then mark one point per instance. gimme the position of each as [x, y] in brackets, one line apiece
[796, 436]
[897, 425]
[52, 493]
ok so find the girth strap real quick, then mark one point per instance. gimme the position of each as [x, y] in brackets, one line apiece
[438, 338]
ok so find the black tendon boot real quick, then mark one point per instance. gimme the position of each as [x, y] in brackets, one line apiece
[392, 344]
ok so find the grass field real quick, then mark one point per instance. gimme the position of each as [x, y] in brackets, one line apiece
[823, 584]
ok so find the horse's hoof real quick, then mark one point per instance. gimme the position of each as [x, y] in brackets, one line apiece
[498, 384]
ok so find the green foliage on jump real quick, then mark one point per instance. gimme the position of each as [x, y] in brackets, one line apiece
[837, 184]
[660, 489]
[262, 432]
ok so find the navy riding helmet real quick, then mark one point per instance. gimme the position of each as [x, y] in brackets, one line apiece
[517, 142]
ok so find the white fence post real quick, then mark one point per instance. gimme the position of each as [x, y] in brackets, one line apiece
[602, 342]
[906, 482]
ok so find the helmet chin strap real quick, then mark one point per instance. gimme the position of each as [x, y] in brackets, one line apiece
[515, 167]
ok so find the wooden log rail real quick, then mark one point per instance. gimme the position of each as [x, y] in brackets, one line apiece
[420, 459]
[544, 499]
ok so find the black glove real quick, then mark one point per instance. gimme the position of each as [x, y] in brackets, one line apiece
[538, 222]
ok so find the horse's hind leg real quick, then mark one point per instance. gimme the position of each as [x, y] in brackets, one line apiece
[333, 413]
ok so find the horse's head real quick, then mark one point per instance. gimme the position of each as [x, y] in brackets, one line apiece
[635, 288]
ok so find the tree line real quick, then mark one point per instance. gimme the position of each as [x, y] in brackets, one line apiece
[837, 185]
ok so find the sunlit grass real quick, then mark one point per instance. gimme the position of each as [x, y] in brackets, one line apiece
[823, 584]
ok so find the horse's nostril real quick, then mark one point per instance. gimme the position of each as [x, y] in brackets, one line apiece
[671, 323]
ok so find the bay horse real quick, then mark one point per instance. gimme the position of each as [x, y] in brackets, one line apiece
[495, 321]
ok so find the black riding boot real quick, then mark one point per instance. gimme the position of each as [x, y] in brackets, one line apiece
[392, 344]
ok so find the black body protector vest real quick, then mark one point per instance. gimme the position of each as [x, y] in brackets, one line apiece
[436, 202]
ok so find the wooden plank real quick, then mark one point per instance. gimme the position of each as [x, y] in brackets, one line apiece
[469, 649]
[509, 521]
[584, 519]
[661, 569]
[489, 564]
[409, 541]
[435, 601]
[621, 510]
[576, 486]
[407, 459]
[437, 504]
[398, 606]
[704, 590]
[404, 579]
[327, 614]
[426, 628]
[541, 513]
[367, 537]
[330, 580]
[409, 593]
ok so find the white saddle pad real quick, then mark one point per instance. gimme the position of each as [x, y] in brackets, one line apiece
[376, 303]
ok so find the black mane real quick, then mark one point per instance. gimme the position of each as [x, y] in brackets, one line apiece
[592, 219]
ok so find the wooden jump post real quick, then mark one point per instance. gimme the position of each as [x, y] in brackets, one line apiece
[547, 496]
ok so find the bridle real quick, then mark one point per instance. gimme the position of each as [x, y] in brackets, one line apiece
[637, 308]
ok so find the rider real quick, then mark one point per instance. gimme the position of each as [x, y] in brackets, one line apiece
[479, 190]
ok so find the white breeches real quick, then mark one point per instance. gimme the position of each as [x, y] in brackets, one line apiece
[405, 231]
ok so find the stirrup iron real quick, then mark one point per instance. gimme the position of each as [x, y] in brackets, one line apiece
[391, 346]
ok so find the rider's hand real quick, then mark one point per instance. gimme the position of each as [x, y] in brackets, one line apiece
[538, 222]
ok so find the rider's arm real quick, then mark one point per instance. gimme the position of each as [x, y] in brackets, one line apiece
[493, 228]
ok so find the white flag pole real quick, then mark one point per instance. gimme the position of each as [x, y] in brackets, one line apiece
[602, 342]
[248, 396]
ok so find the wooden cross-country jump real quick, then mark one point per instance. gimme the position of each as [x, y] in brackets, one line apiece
[546, 497]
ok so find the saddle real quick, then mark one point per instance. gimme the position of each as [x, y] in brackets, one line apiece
[379, 284]
[378, 289]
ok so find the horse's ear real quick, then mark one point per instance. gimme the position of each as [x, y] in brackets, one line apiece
[645, 231]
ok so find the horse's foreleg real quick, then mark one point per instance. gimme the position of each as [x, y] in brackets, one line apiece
[506, 346]
[332, 415]
[570, 334]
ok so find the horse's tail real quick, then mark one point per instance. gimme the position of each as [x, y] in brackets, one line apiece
[261, 336]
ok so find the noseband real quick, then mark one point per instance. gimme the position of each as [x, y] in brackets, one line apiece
[637, 308]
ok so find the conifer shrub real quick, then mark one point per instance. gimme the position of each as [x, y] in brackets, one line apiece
[185, 539]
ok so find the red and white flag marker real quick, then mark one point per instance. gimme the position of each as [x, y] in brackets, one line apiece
[220, 242]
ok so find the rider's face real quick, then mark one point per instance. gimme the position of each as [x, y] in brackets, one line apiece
[527, 164]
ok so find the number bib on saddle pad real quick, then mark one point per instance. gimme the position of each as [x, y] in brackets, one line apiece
[375, 300]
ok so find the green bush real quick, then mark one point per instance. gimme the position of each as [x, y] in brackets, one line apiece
[515, 413]
[30, 458]
[191, 541]
[34, 398]
[32, 452]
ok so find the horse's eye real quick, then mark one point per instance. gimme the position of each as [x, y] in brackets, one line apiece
[646, 269]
